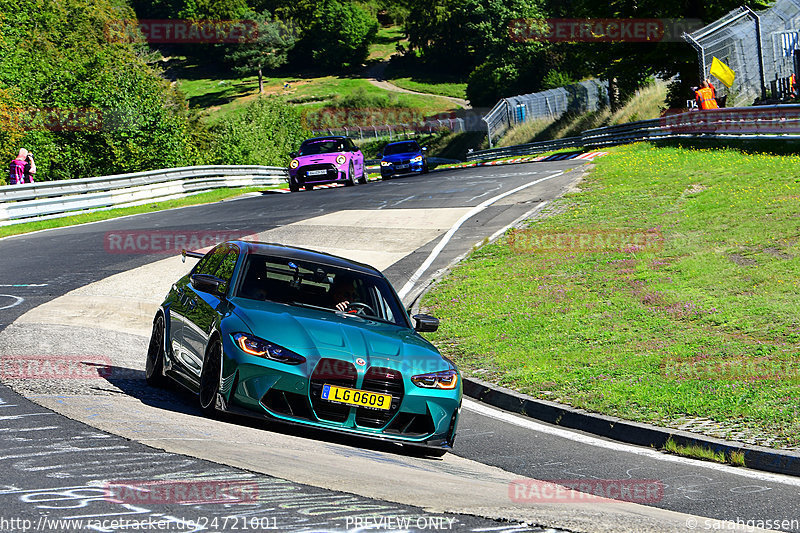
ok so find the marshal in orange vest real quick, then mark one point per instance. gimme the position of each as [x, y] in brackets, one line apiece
[705, 97]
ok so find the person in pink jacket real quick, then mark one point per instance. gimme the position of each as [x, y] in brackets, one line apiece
[16, 171]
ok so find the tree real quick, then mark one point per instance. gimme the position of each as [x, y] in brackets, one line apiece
[335, 34]
[266, 51]
[630, 65]
[86, 104]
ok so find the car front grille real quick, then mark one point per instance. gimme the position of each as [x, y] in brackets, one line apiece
[386, 381]
[331, 372]
[331, 173]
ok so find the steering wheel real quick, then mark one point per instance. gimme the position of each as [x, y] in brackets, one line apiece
[360, 309]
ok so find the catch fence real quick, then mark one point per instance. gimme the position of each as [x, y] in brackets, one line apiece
[580, 97]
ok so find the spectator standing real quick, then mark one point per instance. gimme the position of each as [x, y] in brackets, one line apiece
[16, 170]
[706, 96]
[30, 169]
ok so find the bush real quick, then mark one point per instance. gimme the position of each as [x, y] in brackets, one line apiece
[264, 133]
[489, 82]
[360, 98]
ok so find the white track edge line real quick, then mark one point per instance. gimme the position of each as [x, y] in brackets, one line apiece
[449, 235]
[526, 423]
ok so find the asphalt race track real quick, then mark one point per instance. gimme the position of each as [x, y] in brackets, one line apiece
[81, 293]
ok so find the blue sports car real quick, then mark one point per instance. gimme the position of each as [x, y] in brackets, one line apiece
[403, 157]
[304, 337]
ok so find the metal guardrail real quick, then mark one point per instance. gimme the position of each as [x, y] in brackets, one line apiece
[50, 199]
[776, 122]
[526, 149]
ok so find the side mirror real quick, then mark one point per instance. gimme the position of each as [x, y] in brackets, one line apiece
[292, 154]
[425, 323]
[424, 148]
[208, 283]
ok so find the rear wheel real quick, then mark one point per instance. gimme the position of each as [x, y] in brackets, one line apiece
[154, 366]
[209, 378]
[363, 173]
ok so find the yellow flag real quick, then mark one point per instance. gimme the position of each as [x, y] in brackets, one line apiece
[722, 72]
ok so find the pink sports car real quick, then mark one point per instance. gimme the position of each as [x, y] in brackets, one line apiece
[326, 160]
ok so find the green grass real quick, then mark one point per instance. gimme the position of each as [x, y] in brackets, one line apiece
[425, 85]
[410, 74]
[700, 322]
[695, 452]
[385, 45]
[83, 218]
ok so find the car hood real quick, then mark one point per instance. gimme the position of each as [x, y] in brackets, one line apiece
[401, 157]
[317, 334]
[319, 158]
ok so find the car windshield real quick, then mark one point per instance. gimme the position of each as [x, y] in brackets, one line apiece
[401, 148]
[327, 146]
[323, 287]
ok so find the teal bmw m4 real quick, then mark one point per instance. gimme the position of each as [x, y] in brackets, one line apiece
[308, 338]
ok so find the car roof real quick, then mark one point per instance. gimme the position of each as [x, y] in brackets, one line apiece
[303, 254]
[327, 138]
[403, 142]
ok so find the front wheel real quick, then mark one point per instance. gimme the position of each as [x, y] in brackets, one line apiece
[293, 185]
[351, 176]
[154, 366]
[209, 378]
[308, 187]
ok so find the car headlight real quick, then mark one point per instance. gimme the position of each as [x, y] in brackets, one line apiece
[294, 164]
[417, 159]
[385, 164]
[340, 159]
[253, 345]
[447, 379]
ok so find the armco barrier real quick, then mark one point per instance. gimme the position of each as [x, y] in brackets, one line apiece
[776, 122]
[59, 198]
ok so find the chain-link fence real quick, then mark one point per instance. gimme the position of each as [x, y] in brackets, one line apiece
[762, 64]
[580, 97]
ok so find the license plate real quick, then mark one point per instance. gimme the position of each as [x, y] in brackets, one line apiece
[406, 165]
[316, 172]
[359, 398]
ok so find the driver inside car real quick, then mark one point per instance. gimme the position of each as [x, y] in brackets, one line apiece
[343, 292]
